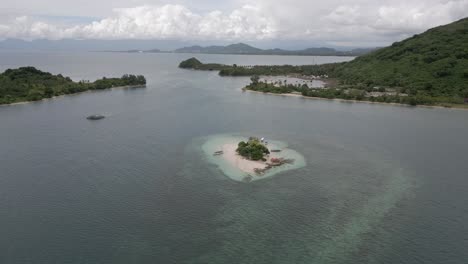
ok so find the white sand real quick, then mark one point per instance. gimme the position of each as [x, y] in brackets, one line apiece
[240, 162]
[238, 168]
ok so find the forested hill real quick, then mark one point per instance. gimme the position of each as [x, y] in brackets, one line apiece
[432, 67]
[31, 84]
[433, 63]
[241, 48]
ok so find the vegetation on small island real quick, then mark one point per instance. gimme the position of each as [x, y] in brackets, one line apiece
[30, 84]
[235, 70]
[427, 69]
[253, 149]
[194, 63]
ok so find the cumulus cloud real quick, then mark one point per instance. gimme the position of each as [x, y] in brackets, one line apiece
[345, 15]
[362, 22]
[158, 22]
[412, 18]
[24, 27]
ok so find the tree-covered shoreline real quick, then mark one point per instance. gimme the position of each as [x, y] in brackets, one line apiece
[380, 95]
[341, 89]
[273, 70]
[429, 69]
[30, 84]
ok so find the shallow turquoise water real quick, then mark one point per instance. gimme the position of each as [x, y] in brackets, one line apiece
[214, 142]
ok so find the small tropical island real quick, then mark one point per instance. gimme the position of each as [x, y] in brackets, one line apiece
[250, 159]
[253, 149]
[30, 84]
[427, 69]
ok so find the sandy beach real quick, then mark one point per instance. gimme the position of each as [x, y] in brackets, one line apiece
[236, 160]
[240, 169]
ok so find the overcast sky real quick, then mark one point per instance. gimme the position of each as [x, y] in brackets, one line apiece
[338, 23]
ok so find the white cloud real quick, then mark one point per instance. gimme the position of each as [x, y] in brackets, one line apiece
[364, 21]
[147, 22]
[372, 22]
[345, 15]
[24, 27]
[411, 18]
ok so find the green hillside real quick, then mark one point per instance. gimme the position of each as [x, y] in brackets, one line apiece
[31, 84]
[433, 63]
[430, 68]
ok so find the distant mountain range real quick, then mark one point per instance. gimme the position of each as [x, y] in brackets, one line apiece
[164, 46]
[244, 49]
[241, 48]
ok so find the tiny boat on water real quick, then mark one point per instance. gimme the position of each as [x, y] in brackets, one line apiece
[217, 153]
[95, 117]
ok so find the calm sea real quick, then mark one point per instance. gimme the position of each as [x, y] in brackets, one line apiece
[383, 184]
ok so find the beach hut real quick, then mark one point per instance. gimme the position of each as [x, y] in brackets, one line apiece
[466, 100]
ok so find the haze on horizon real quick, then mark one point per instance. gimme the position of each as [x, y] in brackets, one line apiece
[359, 23]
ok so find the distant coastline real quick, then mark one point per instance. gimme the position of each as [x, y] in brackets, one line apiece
[244, 49]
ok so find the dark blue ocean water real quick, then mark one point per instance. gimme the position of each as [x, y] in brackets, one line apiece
[383, 184]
